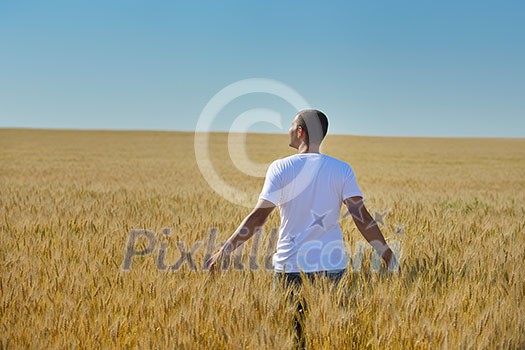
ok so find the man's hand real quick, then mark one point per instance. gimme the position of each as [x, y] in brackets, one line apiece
[213, 264]
[391, 261]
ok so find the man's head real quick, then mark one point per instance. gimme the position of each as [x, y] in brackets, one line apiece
[309, 127]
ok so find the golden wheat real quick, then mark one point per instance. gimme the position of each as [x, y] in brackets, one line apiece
[69, 200]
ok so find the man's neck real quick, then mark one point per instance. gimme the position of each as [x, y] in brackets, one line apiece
[304, 148]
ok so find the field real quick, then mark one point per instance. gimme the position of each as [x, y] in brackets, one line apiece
[69, 199]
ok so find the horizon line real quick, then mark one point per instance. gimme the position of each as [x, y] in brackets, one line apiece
[28, 128]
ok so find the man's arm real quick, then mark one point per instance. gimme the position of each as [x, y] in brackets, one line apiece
[370, 230]
[255, 220]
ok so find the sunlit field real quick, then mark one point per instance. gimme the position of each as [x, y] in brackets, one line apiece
[69, 200]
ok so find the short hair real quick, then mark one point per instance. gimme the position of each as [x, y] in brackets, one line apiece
[318, 123]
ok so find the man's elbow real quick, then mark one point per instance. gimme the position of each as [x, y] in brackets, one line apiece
[259, 221]
[360, 223]
[362, 219]
[258, 218]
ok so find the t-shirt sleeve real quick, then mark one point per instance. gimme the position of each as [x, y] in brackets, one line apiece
[272, 188]
[350, 187]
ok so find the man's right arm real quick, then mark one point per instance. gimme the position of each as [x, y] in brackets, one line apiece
[370, 230]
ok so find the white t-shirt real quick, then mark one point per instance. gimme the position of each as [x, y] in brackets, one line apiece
[309, 189]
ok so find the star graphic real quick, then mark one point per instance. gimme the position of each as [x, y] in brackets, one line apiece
[400, 229]
[355, 210]
[378, 219]
[318, 219]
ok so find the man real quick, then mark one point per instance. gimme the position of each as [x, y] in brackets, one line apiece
[309, 189]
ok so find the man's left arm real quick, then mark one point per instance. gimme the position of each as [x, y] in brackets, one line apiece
[255, 220]
[366, 224]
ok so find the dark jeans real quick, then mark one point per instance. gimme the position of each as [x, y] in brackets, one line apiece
[294, 281]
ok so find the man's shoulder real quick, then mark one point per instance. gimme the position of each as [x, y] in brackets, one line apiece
[298, 160]
[278, 165]
[335, 160]
[283, 161]
[338, 163]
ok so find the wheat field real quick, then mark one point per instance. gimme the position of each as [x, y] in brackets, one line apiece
[69, 200]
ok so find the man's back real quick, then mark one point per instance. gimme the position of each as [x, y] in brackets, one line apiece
[309, 189]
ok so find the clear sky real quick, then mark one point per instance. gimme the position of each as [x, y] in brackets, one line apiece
[375, 67]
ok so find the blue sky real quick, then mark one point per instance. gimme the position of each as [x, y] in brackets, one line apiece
[385, 67]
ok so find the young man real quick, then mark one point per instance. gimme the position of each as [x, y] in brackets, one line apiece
[309, 189]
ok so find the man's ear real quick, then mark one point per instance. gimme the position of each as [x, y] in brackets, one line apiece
[300, 131]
